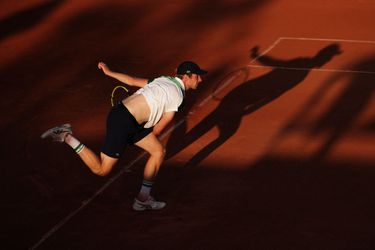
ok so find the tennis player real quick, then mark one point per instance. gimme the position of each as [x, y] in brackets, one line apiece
[137, 120]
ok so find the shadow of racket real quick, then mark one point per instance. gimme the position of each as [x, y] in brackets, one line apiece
[228, 82]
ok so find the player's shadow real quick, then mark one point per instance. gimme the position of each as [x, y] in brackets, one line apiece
[26, 19]
[342, 115]
[247, 98]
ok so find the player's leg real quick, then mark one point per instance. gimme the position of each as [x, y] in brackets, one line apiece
[157, 152]
[119, 125]
[100, 166]
[152, 145]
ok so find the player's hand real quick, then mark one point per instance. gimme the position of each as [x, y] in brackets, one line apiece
[104, 67]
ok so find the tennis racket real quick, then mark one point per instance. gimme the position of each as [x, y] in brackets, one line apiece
[118, 94]
[229, 82]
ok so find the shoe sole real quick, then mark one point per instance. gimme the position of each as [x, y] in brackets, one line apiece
[148, 208]
[50, 131]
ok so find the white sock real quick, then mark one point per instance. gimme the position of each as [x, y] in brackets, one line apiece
[144, 193]
[74, 143]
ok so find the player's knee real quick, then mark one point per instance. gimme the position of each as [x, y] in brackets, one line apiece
[159, 152]
[103, 170]
[102, 173]
[104, 167]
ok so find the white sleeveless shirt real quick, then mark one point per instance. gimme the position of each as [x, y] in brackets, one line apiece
[162, 95]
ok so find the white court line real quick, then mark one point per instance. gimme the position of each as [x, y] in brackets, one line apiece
[229, 81]
[312, 69]
[267, 50]
[222, 86]
[327, 40]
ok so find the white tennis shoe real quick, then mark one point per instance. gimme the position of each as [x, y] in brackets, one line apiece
[58, 133]
[149, 204]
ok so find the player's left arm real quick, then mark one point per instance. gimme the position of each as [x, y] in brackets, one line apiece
[124, 78]
[164, 121]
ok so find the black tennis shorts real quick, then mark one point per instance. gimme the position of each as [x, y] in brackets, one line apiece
[122, 129]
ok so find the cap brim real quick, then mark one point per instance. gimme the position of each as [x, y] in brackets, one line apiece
[202, 72]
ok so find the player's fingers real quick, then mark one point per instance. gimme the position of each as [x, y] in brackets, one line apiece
[101, 65]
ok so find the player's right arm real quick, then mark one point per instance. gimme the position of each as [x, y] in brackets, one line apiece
[162, 124]
[124, 78]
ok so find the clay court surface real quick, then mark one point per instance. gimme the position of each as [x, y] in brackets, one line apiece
[274, 151]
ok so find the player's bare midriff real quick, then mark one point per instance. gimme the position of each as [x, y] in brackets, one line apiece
[138, 107]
